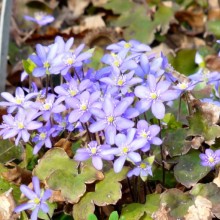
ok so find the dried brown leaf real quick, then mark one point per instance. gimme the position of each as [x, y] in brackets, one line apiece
[7, 205]
[18, 175]
[77, 7]
[99, 3]
[89, 23]
[217, 179]
[196, 142]
[66, 145]
[200, 211]
[213, 62]
[162, 213]
[56, 197]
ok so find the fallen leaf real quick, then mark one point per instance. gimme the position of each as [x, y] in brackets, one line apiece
[66, 145]
[201, 210]
[217, 179]
[17, 175]
[89, 23]
[7, 206]
[77, 7]
[99, 3]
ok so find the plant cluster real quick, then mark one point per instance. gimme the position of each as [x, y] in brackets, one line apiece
[118, 115]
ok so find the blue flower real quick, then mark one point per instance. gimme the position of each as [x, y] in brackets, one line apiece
[37, 199]
[40, 18]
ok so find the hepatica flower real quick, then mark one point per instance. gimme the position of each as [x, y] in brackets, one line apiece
[94, 151]
[148, 133]
[19, 101]
[43, 137]
[210, 158]
[19, 125]
[43, 59]
[40, 18]
[37, 199]
[153, 95]
[126, 147]
[82, 105]
[142, 169]
[110, 118]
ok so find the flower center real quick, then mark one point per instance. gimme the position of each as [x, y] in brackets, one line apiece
[116, 63]
[42, 135]
[120, 82]
[125, 150]
[110, 119]
[36, 201]
[69, 61]
[83, 107]
[145, 134]
[127, 45]
[20, 125]
[153, 95]
[46, 64]
[18, 100]
[183, 85]
[72, 92]
[211, 159]
[93, 150]
[47, 106]
[143, 165]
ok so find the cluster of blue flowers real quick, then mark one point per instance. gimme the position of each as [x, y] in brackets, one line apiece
[110, 104]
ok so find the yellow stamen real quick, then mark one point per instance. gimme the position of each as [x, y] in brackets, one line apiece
[127, 45]
[20, 125]
[211, 159]
[46, 64]
[42, 136]
[36, 200]
[83, 107]
[18, 101]
[110, 119]
[153, 95]
[183, 85]
[143, 165]
[72, 92]
[93, 150]
[47, 106]
[120, 82]
[69, 61]
[125, 150]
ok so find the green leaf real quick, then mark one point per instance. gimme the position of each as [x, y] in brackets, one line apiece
[214, 27]
[8, 151]
[188, 171]
[28, 66]
[177, 201]
[163, 17]
[52, 207]
[119, 7]
[137, 210]
[175, 143]
[199, 126]
[114, 216]
[211, 192]
[92, 217]
[171, 121]
[61, 173]
[55, 159]
[184, 62]
[95, 59]
[107, 191]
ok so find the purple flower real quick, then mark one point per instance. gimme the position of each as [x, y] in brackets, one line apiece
[210, 158]
[20, 101]
[122, 81]
[43, 59]
[37, 199]
[40, 18]
[19, 125]
[148, 133]
[142, 169]
[49, 106]
[82, 105]
[117, 63]
[94, 151]
[185, 86]
[62, 124]
[133, 46]
[153, 95]
[62, 46]
[110, 118]
[126, 145]
[65, 61]
[72, 88]
[43, 137]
